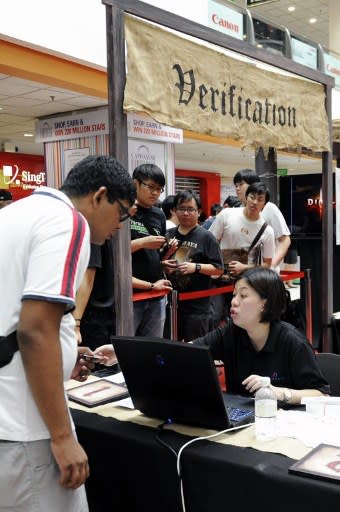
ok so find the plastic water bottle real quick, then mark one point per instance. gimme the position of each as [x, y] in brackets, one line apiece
[265, 412]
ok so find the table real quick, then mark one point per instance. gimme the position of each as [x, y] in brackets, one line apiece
[131, 472]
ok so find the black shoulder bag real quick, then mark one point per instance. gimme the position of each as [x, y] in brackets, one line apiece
[8, 347]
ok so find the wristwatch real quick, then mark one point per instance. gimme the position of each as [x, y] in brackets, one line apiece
[287, 395]
[198, 268]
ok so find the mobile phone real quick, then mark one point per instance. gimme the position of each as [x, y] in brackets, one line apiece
[91, 358]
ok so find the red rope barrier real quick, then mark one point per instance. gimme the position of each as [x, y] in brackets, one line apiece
[286, 275]
[148, 295]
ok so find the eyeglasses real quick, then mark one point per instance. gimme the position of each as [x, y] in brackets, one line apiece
[124, 211]
[152, 188]
[190, 209]
[256, 198]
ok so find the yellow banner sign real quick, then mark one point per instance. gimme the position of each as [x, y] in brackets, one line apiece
[185, 84]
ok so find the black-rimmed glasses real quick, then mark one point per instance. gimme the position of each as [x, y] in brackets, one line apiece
[124, 211]
[152, 188]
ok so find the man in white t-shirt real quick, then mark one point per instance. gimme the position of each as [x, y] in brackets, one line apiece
[271, 213]
[45, 242]
[236, 228]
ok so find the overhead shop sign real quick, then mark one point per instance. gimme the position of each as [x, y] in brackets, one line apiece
[225, 20]
[90, 124]
[304, 53]
[332, 67]
[187, 85]
[85, 124]
[141, 126]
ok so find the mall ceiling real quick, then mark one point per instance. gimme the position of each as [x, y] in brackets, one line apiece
[23, 101]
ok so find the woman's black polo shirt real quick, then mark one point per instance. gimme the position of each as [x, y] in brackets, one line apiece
[287, 357]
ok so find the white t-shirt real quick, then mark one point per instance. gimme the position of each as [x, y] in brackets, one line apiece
[234, 231]
[273, 216]
[45, 247]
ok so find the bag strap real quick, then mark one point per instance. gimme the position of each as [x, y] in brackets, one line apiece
[259, 233]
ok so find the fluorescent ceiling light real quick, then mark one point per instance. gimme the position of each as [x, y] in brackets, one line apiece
[312, 20]
[28, 134]
[291, 8]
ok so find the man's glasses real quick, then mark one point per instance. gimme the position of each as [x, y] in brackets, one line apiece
[256, 198]
[152, 188]
[124, 211]
[190, 209]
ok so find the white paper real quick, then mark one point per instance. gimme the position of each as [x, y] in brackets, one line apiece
[310, 429]
[125, 402]
[117, 378]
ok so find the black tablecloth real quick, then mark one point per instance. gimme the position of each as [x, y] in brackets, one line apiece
[132, 472]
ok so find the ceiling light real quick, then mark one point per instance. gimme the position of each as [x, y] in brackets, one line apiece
[312, 20]
[1, 108]
[291, 8]
[28, 134]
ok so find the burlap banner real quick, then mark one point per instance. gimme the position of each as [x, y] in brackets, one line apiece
[187, 85]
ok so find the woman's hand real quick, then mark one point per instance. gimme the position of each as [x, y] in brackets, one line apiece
[107, 354]
[252, 383]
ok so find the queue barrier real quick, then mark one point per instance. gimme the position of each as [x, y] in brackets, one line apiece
[175, 297]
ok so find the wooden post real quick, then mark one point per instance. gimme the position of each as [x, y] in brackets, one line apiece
[119, 149]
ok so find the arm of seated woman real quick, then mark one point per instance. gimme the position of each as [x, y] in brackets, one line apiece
[285, 395]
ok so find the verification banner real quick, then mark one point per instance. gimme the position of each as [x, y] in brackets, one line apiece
[184, 84]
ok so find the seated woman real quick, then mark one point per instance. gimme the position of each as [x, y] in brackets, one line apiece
[255, 343]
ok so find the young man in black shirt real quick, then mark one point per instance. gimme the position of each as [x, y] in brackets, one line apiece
[147, 240]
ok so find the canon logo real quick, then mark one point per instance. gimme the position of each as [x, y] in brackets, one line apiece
[225, 23]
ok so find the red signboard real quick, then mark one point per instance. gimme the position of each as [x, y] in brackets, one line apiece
[21, 174]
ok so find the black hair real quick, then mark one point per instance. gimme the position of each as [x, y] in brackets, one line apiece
[247, 175]
[215, 209]
[94, 172]
[149, 172]
[187, 195]
[168, 204]
[270, 287]
[258, 188]
[232, 202]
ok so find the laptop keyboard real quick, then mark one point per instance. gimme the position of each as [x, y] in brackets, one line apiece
[236, 414]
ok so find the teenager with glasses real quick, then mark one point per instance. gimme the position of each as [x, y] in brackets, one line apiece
[237, 228]
[195, 261]
[147, 241]
[271, 214]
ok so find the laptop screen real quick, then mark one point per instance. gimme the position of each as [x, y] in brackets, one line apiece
[172, 381]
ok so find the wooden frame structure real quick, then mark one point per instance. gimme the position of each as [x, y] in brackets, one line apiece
[115, 11]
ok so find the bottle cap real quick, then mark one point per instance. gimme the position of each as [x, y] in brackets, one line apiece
[265, 381]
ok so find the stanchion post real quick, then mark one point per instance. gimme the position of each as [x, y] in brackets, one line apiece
[308, 306]
[173, 306]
